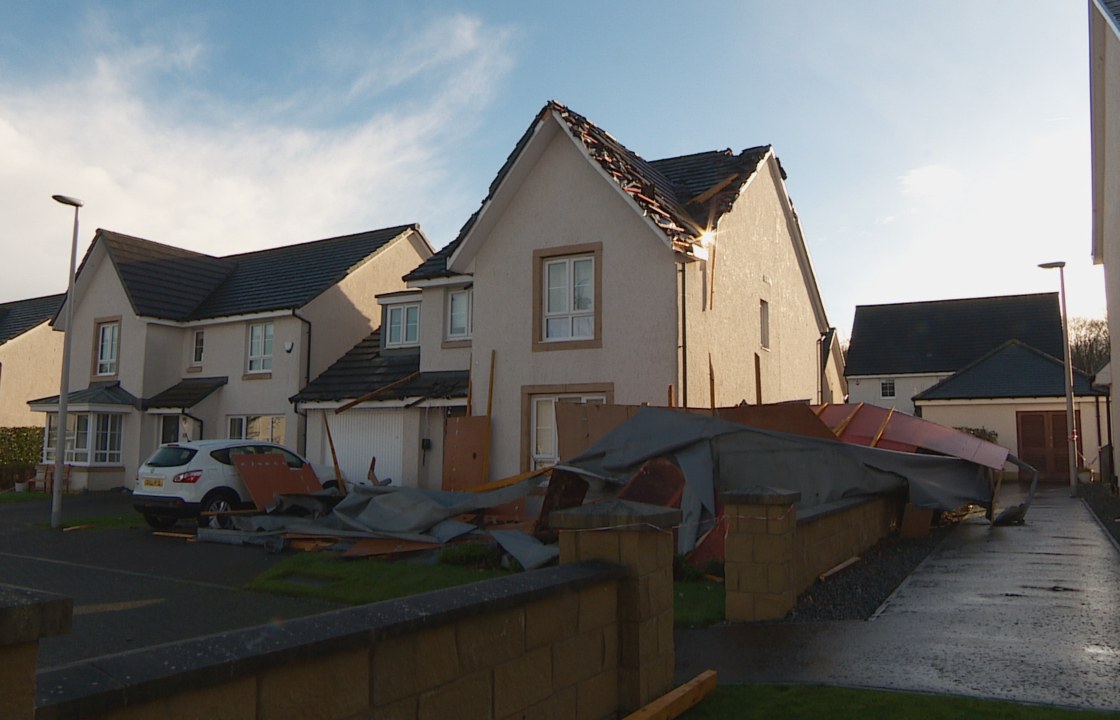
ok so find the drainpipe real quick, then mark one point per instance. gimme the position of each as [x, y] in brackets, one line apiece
[301, 432]
[684, 338]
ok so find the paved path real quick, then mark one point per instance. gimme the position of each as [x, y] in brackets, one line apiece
[1026, 613]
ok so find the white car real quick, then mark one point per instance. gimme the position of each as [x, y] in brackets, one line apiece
[182, 480]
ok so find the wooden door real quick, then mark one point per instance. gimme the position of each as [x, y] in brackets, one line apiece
[1043, 443]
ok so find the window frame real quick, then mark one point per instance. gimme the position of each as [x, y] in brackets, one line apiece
[247, 421]
[883, 382]
[198, 348]
[84, 443]
[402, 309]
[111, 363]
[262, 356]
[531, 395]
[569, 254]
[764, 323]
[449, 336]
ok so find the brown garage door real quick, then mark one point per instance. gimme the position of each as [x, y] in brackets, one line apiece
[1042, 443]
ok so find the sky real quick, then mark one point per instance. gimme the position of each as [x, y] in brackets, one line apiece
[934, 150]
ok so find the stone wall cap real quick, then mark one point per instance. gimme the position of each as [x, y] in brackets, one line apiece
[27, 615]
[761, 495]
[615, 513]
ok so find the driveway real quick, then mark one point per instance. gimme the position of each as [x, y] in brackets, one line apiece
[1023, 613]
[130, 588]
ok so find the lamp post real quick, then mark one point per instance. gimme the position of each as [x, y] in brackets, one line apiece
[1071, 433]
[64, 383]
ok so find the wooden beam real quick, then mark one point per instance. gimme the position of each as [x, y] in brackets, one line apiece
[489, 421]
[712, 278]
[334, 457]
[882, 428]
[671, 396]
[374, 393]
[713, 190]
[674, 703]
[712, 383]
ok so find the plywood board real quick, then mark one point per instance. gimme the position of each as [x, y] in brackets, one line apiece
[464, 442]
[578, 427]
[386, 547]
[791, 418]
[267, 474]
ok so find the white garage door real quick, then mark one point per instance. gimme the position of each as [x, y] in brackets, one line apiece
[362, 434]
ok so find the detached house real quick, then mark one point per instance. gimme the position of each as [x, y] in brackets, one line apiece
[591, 275]
[170, 344]
[30, 357]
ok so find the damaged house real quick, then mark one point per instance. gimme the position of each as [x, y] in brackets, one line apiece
[588, 275]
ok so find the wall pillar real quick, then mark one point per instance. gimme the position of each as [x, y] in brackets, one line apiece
[640, 538]
[25, 616]
[759, 563]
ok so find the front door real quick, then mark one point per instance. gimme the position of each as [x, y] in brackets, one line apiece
[1043, 443]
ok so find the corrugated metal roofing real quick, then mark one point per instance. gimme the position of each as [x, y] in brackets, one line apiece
[664, 189]
[177, 284]
[19, 316]
[1013, 370]
[365, 368]
[946, 335]
[186, 393]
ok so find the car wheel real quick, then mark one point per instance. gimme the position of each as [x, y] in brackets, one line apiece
[159, 522]
[218, 501]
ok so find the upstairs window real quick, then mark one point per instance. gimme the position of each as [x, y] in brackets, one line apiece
[404, 325]
[260, 347]
[569, 298]
[459, 314]
[108, 347]
[886, 388]
[764, 323]
[196, 350]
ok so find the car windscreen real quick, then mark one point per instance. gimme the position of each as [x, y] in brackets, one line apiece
[171, 456]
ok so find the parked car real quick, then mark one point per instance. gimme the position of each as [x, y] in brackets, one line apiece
[183, 480]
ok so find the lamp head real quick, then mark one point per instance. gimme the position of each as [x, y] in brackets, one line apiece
[1052, 265]
[65, 200]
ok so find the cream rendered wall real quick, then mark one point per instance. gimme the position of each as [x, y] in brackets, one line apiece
[566, 201]
[346, 313]
[754, 259]
[999, 415]
[865, 389]
[835, 387]
[436, 353]
[30, 365]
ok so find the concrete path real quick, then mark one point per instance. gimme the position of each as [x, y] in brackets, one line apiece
[1028, 614]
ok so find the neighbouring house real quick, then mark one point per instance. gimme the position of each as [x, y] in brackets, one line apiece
[902, 349]
[1104, 114]
[591, 275]
[30, 357]
[170, 344]
[1019, 393]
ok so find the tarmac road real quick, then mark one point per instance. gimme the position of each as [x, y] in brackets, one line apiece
[130, 588]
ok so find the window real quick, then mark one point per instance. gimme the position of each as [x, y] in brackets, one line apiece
[404, 325]
[269, 428]
[459, 314]
[545, 449]
[168, 429]
[569, 300]
[260, 347]
[764, 322]
[108, 347]
[886, 388]
[196, 352]
[102, 431]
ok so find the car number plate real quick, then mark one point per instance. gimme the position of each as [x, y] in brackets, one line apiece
[153, 482]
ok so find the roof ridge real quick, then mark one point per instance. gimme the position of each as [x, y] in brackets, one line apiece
[957, 300]
[349, 236]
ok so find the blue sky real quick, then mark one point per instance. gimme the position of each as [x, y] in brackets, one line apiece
[934, 150]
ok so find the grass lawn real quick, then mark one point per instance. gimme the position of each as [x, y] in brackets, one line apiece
[698, 603]
[326, 576]
[11, 496]
[797, 702]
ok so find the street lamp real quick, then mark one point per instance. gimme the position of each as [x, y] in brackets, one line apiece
[1071, 433]
[64, 383]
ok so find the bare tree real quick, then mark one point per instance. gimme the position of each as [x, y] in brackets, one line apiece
[1088, 343]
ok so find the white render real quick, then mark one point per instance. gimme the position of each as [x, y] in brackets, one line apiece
[30, 368]
[867, 389]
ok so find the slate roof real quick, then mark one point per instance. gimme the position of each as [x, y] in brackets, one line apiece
[1113, 8]
[365, 368]
[679, 194]
[177, 284]
[19, 316]
[98, 393]
[186, 393]
[947, 335]
[1013, 370]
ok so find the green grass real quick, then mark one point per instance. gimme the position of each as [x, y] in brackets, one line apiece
[10, 496]
[808, 702]
[325, 576]
[698, 603]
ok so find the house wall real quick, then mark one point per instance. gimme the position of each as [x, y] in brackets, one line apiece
[1104, 70]
[347, 312]
[565, 201]
[999, 415]
[835, 385]
[30, 365]
[866, 389]
[436, 353]
[754, 260]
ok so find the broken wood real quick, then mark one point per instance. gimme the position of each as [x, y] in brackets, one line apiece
[712, 279]
[374, 393]
[670, 396]
[386, 548]
[268, 474]
[180, 535]
[489, 410]
[713, 190]
[829, 573]
[334, 457]
[677, 701]
[712, 383]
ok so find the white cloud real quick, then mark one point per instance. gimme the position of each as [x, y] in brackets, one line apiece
[144, 167]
